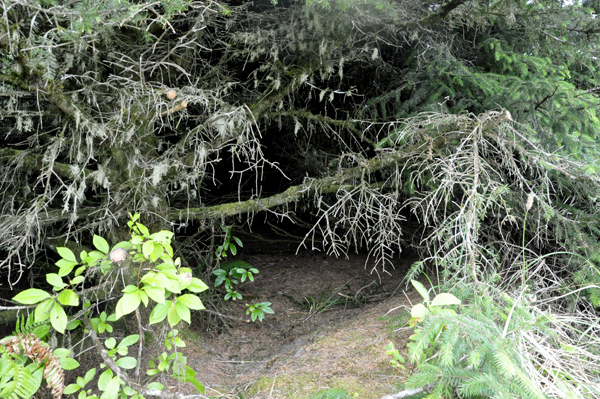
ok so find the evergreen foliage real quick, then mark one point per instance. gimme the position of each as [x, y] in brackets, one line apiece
[500, 347]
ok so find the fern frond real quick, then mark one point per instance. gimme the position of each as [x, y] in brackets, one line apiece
[34, 348]
[26, 325]
[16, 380]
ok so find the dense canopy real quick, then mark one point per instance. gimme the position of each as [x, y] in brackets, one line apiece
[190, 112]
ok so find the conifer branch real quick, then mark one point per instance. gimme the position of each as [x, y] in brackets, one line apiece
[433, 18]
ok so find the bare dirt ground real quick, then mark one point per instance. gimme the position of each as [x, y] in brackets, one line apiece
[310, 343]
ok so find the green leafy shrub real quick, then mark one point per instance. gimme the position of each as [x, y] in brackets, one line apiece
[229, 274]
[159, 282]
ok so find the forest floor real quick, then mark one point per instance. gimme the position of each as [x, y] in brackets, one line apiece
[332, 320]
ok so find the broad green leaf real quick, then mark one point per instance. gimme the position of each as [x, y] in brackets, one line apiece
[191, 301]
[144, 230]
[421, 289]
[445, 299]
[183, 312]
[61, 352]
[66, 253]
[89, 376]
[159, 312]
[172, 316]
[73, 324]
[101, 244]
[148, 248]
[58, 318]
[129, 289]
[31, 296]
[197, 285]
[71, 388]
[68, 298]
[128, 303]
[68, 363]
[268, 310]
[77, 280]
[156, 293]
[161, 280]
[129, 340]
[157, 252]
[110, 343]
[42, 311]
[126, 363]
[112, 389]
[156, 385]
[419, 311]
[143, 297]
[94, 255]
[104, 379]
[168, 249]
[55, 281]
[163, 236]
[122, 244]
[65, 267]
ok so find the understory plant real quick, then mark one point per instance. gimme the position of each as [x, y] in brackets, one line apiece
[235, 272]
[494, 345]
[150, 278]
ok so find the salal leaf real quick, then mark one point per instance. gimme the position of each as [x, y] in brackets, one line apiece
[156, 293]
[66, 253]
[172, 316]
[197, 285]
[101, 244]
[183, 312]
[127, 304]
[126, 362]
[445, 299]
[191, 301]
[31, 296]
[159, 312]
[68, 298]
[421, 289]
[58, 318]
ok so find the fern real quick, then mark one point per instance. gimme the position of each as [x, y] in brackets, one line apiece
[26, 325]
[16, 380]
[22, 381]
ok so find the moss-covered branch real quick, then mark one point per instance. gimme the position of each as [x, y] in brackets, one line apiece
[32, 161]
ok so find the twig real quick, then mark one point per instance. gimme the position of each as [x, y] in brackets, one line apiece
[176, 108]
[141, 330]
[226, 316]
[166, 394]
[404, 394]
